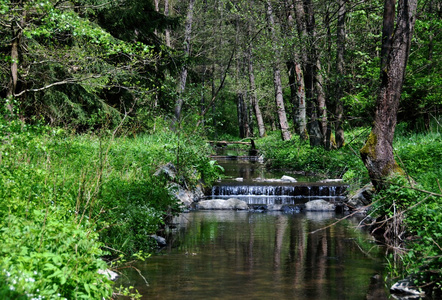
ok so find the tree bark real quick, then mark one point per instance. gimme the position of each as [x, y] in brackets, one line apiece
[254, 100]
[17, 33]
[184, 70]
[377, 153]
[166, 13]
[305, 24]
[283, 124]
[243, 116]
[340, 68]
[297, 89]
[296, 76]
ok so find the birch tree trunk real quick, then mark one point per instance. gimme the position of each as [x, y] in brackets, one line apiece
[184, 70]
[283, 124]
[377, 153]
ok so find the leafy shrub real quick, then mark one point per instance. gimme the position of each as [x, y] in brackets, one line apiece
[48, 256]
[65, 198]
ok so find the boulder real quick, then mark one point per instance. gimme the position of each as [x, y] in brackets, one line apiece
[185, 196]
[319, 205]
[221, 204]
[288, 178]
[168, 170]
[109, 274]
[406, 287]
[159, 239]
[361, 197]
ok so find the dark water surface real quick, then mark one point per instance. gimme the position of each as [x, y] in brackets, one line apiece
[245, 255]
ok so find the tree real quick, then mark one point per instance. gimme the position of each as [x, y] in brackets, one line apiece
[184, 69]
[377, 153]
[51, 74]
[253, 97]
[306, 30]
[340, 76]
[282, 117]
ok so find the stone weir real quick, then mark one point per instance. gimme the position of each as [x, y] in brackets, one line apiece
[277, 196]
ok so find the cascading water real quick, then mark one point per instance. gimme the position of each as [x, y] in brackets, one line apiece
[248, 180]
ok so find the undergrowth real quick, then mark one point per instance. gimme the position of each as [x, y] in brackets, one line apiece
[409, 212]
[68, 201]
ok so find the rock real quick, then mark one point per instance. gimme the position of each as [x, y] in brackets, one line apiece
[259, 208]
[291, 209]
[221, 204]
[109, 274]
[361, 197]
[319, 205]
[331, 180]
[185, 196]
[160, 240]
[167, 170]
[288, 178]
[406, 287]
[240, 179]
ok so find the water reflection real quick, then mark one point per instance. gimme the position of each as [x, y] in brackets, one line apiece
[234, 255]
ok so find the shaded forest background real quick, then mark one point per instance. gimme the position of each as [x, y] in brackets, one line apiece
[228, 68]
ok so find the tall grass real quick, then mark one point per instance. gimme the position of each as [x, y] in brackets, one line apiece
[67, 201]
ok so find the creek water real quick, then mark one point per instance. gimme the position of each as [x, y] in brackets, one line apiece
[270, 255]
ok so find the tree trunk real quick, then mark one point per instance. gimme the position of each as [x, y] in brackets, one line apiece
[296, 76]
[283, 124]
[243, 116]
[296, 79]
[377, 153]
[254, 100]
[184, 70]
[340, 68]
[305, 24]
[166, 13]
[15, 45]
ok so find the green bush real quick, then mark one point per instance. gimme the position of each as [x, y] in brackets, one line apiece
[65, 198]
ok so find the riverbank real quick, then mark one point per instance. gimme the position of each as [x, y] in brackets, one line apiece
[68, 201]
[412, 203]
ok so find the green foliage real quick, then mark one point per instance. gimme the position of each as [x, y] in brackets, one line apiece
[300, 156]
[65, 198]
[416, 207]
[47, 255]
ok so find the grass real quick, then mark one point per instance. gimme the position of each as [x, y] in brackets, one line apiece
[68, 201]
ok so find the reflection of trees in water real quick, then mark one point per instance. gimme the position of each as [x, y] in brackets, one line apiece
[275, 253]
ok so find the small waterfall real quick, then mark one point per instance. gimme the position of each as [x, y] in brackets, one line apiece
[293, 193]
[247, 179]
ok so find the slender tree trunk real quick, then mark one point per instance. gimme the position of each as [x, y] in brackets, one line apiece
[184, 70]
[317, 81]
[322, 106]
[313, 128]
[243, 116]
[166, 13]
[377, 153]
[296, 80]
[15, 45]
[283, 124]
[340, 68]
[254, 100]
[296, 76]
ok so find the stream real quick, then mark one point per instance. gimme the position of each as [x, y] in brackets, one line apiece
[263, 255]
